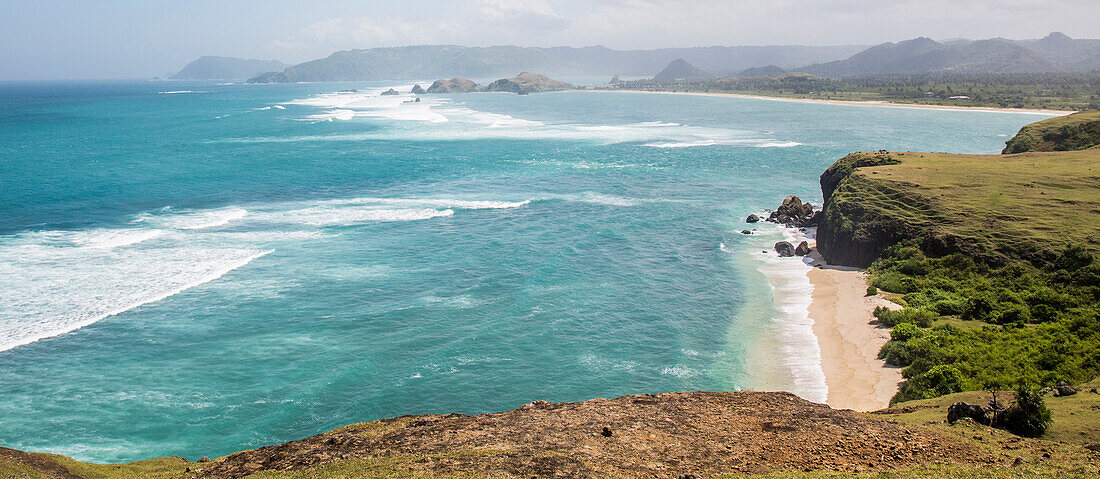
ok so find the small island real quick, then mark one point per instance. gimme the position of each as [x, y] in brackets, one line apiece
[521, 84]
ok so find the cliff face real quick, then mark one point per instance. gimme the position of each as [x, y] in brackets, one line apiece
[850, 232]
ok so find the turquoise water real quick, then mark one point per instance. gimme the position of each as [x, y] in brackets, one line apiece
[231, 266]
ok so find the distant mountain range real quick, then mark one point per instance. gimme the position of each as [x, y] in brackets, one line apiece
[1053, 53]
[225, 68]
[444, 61]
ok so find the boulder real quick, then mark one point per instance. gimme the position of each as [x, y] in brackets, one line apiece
[803, 249]
[417, 89]
[391, 91]
[962, 410]
[752, 219]
[793, 212]
[784, 248]
[1064, 389]
[746, 232]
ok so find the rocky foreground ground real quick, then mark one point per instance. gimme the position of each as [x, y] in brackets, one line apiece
[660, 435]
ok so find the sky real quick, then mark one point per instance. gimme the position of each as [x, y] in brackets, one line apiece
[90, 39]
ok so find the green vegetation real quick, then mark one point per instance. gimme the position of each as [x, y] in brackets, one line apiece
[1056, 91]
[1078, 131]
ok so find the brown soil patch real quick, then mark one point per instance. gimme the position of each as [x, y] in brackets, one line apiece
[666, 435]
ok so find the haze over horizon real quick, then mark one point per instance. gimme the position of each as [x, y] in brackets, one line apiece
[65, 39]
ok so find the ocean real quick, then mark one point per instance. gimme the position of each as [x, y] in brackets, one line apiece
[194, 268]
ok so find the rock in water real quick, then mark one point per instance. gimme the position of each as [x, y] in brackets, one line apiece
[391, 91]
[417, 89]
[746, 232]
[803, 249]
[961, 410]
[784, 248]
[752, 219]
[793, 212]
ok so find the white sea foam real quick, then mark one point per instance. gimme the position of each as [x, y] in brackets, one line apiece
[791, 292]
[328, 216]
[279, 107]
[177, 92]
[192, 220]
[52, 288]
[753, 143]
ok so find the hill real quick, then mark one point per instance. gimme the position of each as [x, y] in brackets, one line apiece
[771, 71]
[924, 55]
[445, 61]
[1078, 131]
[681, 70]
[225, 68]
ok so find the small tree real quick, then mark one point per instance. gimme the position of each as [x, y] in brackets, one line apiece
[1028, 416]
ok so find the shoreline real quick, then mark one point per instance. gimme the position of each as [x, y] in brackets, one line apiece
[878, 103]
[849, 343]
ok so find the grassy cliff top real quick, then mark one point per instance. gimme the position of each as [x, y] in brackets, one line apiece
[1078, 131]
[1021, 206]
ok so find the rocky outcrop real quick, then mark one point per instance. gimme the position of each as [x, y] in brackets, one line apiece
[390, 92]
[527, 83]
[794, 213]
[752, 219]
[962, 410]
[454, 85]
[784, 248]
[418, 90]
[802, 249]
[1078, 131]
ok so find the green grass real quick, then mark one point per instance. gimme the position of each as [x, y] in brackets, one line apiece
[1078, 131]
[1025, 206]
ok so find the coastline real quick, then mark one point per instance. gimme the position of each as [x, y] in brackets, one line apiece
[878, 103]
[856, 379]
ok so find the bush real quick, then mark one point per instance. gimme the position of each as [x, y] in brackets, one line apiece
[895, 353]
[979, 307]
[919, 317]
[940, 380]
[905, 331]
[871, 291]
[1028, 416]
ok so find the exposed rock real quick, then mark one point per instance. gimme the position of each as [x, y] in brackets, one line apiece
[390, 92]
[803, 249]
[784, 248]
[1064, 389]
[204, 459]
[746, 232]
[454, 85]
[752, 219]
[793, 212]
[705, 434]
[962, 410]
[417, 89]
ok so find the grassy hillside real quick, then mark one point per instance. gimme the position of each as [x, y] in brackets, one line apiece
[998, 208]
[1078, 131]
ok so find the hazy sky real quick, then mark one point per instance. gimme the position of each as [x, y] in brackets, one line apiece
[47, 39]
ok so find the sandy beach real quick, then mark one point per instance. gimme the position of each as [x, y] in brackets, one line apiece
[863, 103]
[849, 343]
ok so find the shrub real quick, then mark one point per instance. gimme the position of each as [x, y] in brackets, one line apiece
[1028, 416]
[979, 307]
[949, 307]
[919, 317]
[895, 353]
[905, 331]
[892, 281]
[871, 291]
[940, 380]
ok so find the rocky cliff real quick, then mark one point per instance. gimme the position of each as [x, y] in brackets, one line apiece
[527, 83]
[1078, 131]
